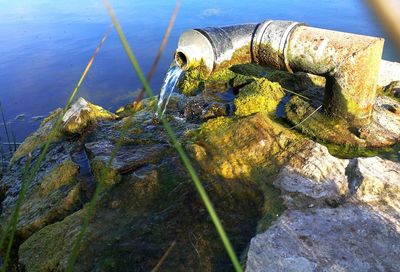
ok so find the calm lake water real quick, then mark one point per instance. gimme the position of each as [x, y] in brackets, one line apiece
[45, 45]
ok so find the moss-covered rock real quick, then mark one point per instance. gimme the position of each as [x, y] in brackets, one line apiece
[318, 125]
[261, 95]
[193, 79]
[82, 114]
[238, 148]
[53, 193]
[150, 203]
[48, 249]
[39, 138]
[76, 120]
[382, 131]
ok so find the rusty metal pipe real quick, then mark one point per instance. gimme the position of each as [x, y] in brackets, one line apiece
[349, 62]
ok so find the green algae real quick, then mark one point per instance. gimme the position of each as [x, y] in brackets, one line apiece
[39, 138]
[58, 176]
[98, 166]
[193, 79]
[392, 90]
[318, 125]
[86, 114]
[349, 151]
[261, 95]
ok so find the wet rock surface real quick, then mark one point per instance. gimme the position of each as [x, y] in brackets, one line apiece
[285, 202]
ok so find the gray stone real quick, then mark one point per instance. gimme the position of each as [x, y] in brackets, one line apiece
[389, 71]
[81, 114]
[344, 215]
[313, 174]
[351, 237]
[128, 157]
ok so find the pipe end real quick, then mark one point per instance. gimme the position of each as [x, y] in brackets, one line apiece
[194, 49]
[181, 59]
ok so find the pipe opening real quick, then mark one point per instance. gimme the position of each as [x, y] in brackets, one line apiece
[181, 60]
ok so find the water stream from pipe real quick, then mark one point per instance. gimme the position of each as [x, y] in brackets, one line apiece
[170, 81]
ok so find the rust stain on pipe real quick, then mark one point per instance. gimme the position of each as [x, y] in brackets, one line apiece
[350, 64]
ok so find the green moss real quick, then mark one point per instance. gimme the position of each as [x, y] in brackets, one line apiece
[261, 95]
[193, 79]
[98, 166]
[60, 175]
[221, 75]
[351, 151]
[84, 115]
[319, 126]
[392, 90]
[234, 148]
[39, 137]
[129, 109]
[44, 250]
[217, 124]
[250, 70]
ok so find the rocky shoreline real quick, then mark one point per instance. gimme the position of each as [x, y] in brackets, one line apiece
[286, 203]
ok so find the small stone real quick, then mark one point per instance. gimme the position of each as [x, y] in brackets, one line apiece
[114, 204]
[81, 114]
[393, 108]
[37, 118]
[214, 110]
[20, 117]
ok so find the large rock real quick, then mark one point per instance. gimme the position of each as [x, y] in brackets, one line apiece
[313, 176]
[343, 216]
[334, 207]
[388, 71]
[351, 237]
[52, 194]
[149, 202]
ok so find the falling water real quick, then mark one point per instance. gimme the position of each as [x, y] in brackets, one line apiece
[170, 81]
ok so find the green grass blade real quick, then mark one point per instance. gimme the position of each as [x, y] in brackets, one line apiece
[185, 159]
[14, 218]
[5, 128]
[161, 49]
[52, 135]
[92, 204]
[14, 137]
[2, 153]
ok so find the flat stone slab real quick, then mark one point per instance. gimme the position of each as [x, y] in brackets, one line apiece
[388, 71]
[343, 215]
[348, 238]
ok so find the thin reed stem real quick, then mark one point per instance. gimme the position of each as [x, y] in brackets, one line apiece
[164, 257]
[2, 153]
[14, 218]
[5, 128]
[185, 159]
[305, 119]
[14, 137]
[161, 49]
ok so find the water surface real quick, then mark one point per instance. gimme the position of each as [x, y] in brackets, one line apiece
[45, 45]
